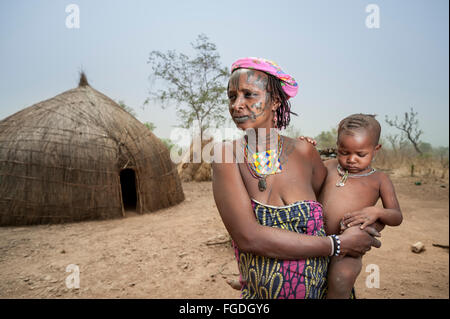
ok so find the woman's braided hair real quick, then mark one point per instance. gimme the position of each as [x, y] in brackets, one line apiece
[275, 90]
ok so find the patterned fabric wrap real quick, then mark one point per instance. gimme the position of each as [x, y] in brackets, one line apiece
[288, 83]
[271, 278]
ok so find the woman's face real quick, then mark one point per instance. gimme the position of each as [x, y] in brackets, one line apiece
[250, 104]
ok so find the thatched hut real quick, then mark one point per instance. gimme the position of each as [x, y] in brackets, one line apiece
[80, 156]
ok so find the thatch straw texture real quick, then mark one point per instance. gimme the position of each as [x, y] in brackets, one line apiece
[60, 161]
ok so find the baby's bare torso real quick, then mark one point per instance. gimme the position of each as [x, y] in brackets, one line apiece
[358, 192]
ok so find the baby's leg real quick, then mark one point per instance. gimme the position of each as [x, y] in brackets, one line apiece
[342, 274]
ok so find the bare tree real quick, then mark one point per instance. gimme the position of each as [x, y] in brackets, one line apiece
[409, 127]
[397, 141]
[196, 85]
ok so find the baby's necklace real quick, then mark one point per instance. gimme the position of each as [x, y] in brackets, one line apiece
[264, 163]
[345, 175]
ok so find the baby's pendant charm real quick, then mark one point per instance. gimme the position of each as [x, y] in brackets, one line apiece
[345, 175]
[341, 182]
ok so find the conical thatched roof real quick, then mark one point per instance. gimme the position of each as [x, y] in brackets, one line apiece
[61, 160]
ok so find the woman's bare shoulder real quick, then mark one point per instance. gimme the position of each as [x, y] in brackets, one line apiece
[299, 147]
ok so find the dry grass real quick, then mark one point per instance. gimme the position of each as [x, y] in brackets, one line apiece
[407, 163]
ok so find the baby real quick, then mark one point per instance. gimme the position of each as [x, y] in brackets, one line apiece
[350, 192]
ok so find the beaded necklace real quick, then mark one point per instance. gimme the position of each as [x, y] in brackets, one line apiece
[264, 163]
[345, 175]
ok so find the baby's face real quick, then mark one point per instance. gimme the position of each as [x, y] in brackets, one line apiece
[355, 151]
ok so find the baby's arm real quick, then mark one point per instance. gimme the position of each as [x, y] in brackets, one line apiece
[390, 214]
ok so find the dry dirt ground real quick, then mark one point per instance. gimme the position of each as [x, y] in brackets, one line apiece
[182, 252]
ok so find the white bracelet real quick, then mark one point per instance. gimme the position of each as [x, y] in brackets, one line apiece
[332, 246]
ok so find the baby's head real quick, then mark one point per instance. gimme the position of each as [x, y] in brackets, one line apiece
[357, 142]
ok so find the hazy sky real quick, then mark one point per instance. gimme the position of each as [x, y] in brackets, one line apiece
[342, 66]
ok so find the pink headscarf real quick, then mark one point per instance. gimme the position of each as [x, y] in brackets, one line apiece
[290, 87]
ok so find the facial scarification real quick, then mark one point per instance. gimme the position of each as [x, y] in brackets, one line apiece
[259, 80]
[258, 106]
[250, 74]
[234, 80]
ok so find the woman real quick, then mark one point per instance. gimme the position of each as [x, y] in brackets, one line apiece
[283, 252]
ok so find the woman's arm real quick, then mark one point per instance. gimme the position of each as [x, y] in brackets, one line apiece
[234, 205]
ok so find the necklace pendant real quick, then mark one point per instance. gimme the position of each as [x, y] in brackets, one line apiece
[343, 180]
[262, 185]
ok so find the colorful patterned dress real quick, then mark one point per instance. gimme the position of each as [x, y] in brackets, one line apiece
[271, 278]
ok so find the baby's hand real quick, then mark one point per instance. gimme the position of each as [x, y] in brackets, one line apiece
[363, 217]
[308, 139]
[371, 229]
[342, 225]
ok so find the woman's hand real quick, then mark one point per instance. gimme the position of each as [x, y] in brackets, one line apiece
[356, 242]
[308, 139]
[364, 217]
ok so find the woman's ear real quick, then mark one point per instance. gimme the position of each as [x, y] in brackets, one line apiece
[275, 104]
